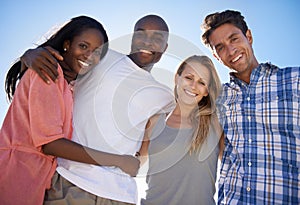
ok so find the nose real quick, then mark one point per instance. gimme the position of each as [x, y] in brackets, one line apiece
[92, 57]
[193, 84]
[231, 49]
[147, 41]
[88, 53]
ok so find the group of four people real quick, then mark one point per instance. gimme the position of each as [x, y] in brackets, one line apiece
[122, 116]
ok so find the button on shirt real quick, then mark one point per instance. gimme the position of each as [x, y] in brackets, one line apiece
[261, 120]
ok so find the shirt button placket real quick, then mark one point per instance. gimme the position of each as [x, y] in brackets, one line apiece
[248, 188]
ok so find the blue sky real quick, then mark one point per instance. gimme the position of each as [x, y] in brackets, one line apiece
[274, 25]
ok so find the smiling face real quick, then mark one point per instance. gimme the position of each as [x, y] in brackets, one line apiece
[234, 49]
[149, 42]
[84, 52]
[192, 84]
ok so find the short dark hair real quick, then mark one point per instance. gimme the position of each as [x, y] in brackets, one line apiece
[214, 20]
[154, 18]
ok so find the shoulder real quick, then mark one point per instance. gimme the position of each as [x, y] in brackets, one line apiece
[113, 54]
[295, 71]
[36, 79]
[288, 70]
[154, 119]
[152, 84]
[288, 76]
[110, 59]
[155, 124]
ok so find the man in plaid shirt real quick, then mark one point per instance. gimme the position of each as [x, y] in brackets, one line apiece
[259, 111]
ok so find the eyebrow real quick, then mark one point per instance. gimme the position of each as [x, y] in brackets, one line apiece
[84, 41]
[231, 36]
[200, 78]
[156, 32]
[194, 76]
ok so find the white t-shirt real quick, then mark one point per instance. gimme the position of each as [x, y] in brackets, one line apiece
[112, 105]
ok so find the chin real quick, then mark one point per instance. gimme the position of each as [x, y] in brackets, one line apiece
[84, 71]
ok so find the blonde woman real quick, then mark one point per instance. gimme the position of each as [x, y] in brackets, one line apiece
[182, 146]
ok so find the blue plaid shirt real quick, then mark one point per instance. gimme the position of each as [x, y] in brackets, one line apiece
[261, 160]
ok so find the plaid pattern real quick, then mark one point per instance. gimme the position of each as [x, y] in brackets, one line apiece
[261, 122]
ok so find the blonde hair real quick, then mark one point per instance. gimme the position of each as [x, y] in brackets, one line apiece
[205, 112]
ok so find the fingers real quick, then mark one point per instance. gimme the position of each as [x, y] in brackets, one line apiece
[54, 53]
[48, 59]
[45, 76]
[42, 61]
[136, 168]
[130, 165]
[30, 59]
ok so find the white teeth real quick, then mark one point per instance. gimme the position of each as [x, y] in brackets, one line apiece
[237, 58]
[83, 63]
[190, 93]
[145, 51]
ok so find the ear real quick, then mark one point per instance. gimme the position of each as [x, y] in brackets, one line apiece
[66, 44]
[206, 94]
[249, 36]
[166, 47]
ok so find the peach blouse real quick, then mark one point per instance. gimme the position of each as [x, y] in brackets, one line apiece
[39, 113]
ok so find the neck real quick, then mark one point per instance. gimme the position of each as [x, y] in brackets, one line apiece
[69, 74]
[245, 76]
[147, 68]
[180, 118]
[184, 111]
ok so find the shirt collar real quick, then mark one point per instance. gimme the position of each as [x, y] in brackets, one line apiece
[261, 69]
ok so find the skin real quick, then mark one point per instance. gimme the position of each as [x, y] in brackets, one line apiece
[192, 85]
[191, 88]
[149, 42]
[234, 49]
[83, 53]
[45, 61]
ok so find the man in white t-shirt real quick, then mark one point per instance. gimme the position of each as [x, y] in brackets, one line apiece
[112, 104]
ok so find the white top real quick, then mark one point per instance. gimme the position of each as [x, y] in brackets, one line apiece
[112, 105]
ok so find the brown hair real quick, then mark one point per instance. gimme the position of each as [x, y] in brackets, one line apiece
[214, 20]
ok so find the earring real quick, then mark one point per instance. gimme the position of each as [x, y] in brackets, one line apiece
[65, 49]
